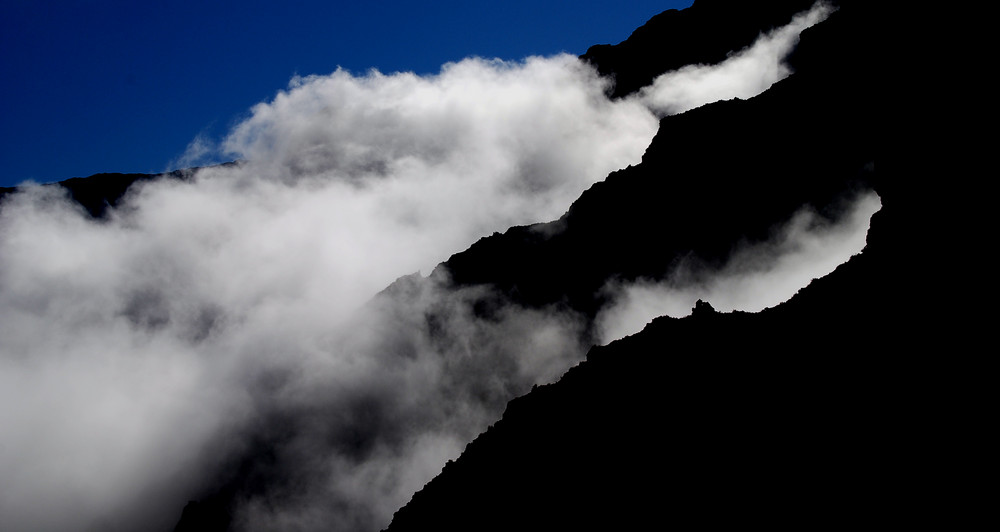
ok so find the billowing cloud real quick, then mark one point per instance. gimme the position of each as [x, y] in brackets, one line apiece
[743, 75]
[134, 346]
[199, 152]
[755, 277]
[231, 316]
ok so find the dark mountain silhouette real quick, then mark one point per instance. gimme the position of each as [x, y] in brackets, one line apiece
[789, 417]
[99, 192]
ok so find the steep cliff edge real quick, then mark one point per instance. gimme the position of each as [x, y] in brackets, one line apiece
[800, 415]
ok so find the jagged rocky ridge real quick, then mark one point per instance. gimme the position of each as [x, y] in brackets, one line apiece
[787, 418]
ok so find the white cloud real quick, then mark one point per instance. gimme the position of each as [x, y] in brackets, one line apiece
[199, 152]
[137, 349]
[755, 277]
[140, 353]
[743, 75]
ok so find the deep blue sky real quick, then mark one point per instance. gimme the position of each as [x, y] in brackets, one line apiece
[123, 85]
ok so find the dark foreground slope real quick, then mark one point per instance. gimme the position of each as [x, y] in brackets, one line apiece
[794, 417]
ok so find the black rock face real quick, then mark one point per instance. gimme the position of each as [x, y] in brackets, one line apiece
[798, 416]
[788, 418]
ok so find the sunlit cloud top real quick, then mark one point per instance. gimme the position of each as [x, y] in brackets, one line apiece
[115, 86]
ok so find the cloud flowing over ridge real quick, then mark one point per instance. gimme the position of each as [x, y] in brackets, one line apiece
[744, 74]
[754, 278]
[142, 356]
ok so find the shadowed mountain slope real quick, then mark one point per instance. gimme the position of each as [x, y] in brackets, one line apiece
[795, 416]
